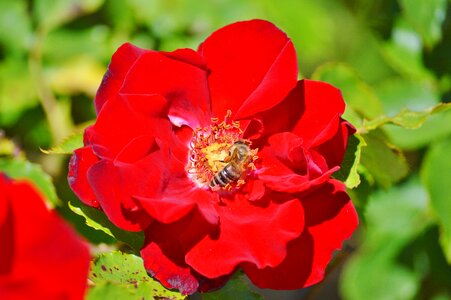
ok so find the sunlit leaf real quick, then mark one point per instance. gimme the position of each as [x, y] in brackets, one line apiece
[117, 275]
[108, 290]
[397, 93]
[98, 220]
[384, 162]
[436, 175]
[70, 143]
[235, 289]
[394, 218]
[348, 169]
[22, 169]
[436, 127]
[426, 17]
[406, 118]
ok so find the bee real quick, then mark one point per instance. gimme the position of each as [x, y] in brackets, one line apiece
[240, 155]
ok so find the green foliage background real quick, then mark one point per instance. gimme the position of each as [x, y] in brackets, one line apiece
[390, 58]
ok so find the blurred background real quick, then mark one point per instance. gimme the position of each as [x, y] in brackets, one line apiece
[390, 58]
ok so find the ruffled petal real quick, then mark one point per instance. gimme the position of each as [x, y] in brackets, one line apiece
[80, 162]
[180, 78]
[177, 199]
[248, 233]
[252, 67]
[172, 273]
[152, 171]
[330, 218]
[163, 252]
[121, 62]
[286, 166]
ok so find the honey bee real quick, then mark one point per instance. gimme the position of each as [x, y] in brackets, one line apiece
[240, 155]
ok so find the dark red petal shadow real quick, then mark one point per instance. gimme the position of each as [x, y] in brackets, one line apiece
[312, 111]
[334, 149]
[252, 67]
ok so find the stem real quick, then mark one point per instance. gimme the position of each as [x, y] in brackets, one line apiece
[47, 99]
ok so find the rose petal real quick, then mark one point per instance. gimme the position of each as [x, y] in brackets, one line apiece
[80, 162]
[253, 67]
[122, 119]
[330, 218]
[179, 79]
[334, 149]
[323, 107]
[166, 269]
[115, 202]
[312, 111]
[285, 166]
[163, 253]
[248, 233]
[137, 149]
[43, 247]
[122, 60]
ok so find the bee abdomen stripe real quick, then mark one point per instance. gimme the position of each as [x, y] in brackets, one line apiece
[231, 172]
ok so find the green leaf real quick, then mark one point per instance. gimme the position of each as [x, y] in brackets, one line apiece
[348, 169]
[384, 162]
[394, 218]
[403, 52]
[22, 169]
[406, 118]
[17, 91]
[117, 275]
[413, 129]
[51, 14]
[436, 175]
[98, 220]
[435, 128]
[358, 95]
[15, 23]
[397, 93]
[70, 143]
[426, 17]
[108, 290]
[236, 288]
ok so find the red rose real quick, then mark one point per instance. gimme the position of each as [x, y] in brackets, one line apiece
[41, 256]
[223, 158]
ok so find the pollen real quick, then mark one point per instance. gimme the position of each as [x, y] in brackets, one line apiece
[210, 154]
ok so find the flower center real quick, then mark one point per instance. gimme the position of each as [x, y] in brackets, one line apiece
[219, 158]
